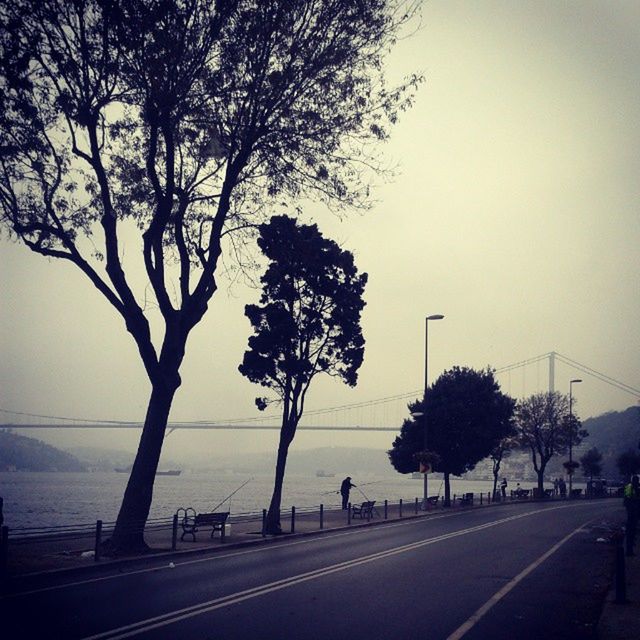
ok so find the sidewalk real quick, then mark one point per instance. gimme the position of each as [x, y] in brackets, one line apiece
[622, 621]
[76, 551]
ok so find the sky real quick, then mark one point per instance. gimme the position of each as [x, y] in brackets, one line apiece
[513, 212]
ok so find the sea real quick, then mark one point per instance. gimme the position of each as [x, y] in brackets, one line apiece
[47, 499]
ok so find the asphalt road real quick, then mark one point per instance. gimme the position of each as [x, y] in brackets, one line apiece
[512, 572]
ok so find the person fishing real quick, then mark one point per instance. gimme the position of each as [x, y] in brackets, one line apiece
[345, 488]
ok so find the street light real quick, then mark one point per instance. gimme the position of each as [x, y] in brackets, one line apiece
[436, 316]
[571, 383]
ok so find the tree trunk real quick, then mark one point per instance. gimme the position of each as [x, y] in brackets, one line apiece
[272, 525]
[496, 473]
[447, 490]
[540, 473]
[128, 535]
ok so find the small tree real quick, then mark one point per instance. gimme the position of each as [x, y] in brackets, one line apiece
[628, 463]
[591, 463]
[543, 426]
[467, 415]
[308, 322]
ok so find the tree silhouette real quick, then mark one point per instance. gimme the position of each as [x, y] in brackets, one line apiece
[307, 322]
[180, 124]
[628, 463]
[467, 417]
[545, 427]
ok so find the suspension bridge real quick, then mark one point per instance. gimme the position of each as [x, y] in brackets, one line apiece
[381, 414]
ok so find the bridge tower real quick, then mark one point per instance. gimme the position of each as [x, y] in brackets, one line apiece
[552, 372]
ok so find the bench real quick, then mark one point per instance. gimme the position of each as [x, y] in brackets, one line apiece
[520, 494]
[433, 501]
[466, 498]
[364, 510]
[549, 493]
[576, 493]
[192, 522]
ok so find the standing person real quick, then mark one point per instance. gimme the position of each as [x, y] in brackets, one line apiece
[345, 487]
[562, 486]
[556, 485]
[632, 505]
[503, 488]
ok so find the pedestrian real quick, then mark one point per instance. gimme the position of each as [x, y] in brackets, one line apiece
[562, 486]
[345, 487]
[503, 488]
[556, 486]
[632, 505]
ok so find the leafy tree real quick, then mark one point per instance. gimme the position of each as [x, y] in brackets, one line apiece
[307, 322]
[543, 426]
[628, 463]
[179, 124]
[467, 415]
[591, 463]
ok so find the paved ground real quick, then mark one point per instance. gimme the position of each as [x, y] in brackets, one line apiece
[619, 621]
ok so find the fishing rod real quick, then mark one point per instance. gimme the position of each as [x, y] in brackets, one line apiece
[365, 495]
[232, 494]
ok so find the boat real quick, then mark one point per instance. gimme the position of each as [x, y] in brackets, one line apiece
[321, 473]
[168, 472]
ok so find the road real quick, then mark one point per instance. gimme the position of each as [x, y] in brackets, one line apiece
[515, 571]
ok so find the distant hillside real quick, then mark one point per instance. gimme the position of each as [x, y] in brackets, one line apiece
[612, 434]
[19, 453]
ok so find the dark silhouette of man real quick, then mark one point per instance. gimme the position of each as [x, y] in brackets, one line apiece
[503, 488]
[632, 505]
[345, 487]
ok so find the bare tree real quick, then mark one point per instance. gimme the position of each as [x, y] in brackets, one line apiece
[185, 121]
[543, 426]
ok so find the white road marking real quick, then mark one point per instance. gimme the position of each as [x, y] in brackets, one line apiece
[473, 620]
[142, 626]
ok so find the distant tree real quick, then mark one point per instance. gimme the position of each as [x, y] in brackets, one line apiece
[467, 416]
[628, 463]
[307, 322]
[591, 463]
[175, 126]
[543, 426]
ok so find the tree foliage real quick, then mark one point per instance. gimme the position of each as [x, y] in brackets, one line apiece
[628, 463]
[545, 427]
[591, 463]
[186, 120]
[307, 323]
[467, 416]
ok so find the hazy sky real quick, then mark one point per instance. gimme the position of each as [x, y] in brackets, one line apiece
[514, 213]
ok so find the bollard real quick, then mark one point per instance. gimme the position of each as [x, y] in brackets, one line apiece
[4, 552]
[96, 551]
[386, 509]
[481, 498]
[293, 519]
[417, 506]
[322, 516]
[264, 523]
[349, 513]
[174, 532]
[621, 581]
[400, 508]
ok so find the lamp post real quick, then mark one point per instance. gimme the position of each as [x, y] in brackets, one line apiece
[436, 316]
[571, 383]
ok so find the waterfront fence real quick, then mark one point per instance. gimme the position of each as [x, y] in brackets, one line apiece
[30, 549]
